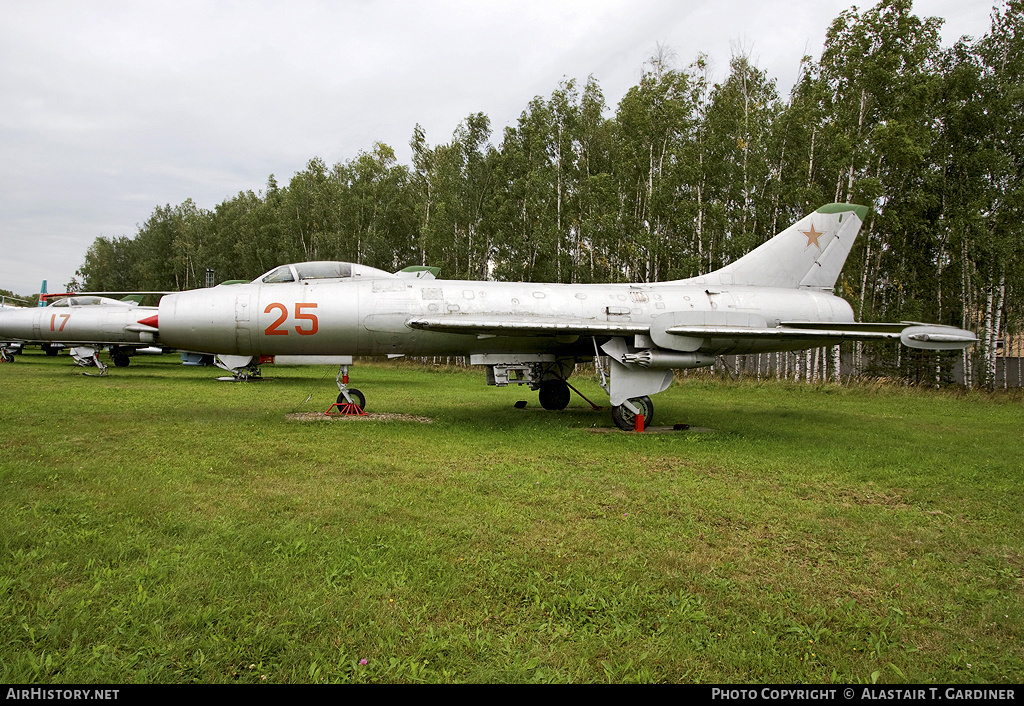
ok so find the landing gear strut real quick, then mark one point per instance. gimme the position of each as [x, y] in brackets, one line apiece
[86, 356]
[242, 368]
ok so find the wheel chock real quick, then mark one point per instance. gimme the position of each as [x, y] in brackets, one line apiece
[638, 423]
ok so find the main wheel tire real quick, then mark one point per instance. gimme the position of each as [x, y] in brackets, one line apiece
[121, 360]
[554, 394]
[356, 396]
[626, 420]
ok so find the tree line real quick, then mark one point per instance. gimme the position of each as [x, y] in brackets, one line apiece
[682, 177]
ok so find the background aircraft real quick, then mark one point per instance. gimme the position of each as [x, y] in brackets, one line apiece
[776, 298]
[5, 302]
[6, 351]
[86, 323]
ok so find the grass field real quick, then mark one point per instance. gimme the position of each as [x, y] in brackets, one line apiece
[160, 526]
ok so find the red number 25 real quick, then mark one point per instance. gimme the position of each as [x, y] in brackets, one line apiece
[275, 328]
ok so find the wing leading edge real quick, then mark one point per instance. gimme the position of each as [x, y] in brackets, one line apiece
[525, 326]
[814, 333]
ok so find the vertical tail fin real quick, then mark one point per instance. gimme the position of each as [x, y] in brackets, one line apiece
[808, 254]
[42, 291]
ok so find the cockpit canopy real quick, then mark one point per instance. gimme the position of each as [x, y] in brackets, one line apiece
[320, 270]
[91, 301]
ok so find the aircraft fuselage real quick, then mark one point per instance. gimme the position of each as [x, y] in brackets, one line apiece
[106, 322]
[370, 316]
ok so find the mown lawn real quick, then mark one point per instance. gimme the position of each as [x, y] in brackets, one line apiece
[161, 526]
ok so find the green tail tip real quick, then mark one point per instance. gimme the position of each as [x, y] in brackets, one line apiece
[861, 211]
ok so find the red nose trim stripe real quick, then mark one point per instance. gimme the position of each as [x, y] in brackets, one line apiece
[151, 321]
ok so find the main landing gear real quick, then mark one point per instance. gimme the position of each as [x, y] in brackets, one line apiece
[554, 394]
[633, 378]
[626, 419]
[241, 367]
[87, 356]
[548, 375]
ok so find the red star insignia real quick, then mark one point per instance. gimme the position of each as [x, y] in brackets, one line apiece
[812, 236]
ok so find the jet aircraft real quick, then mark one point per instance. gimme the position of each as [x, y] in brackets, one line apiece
[4, 299]
[7, 350]
[87, 323]
[778, 297]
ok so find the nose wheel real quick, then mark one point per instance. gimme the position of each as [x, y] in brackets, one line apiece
[350, 400]
[351, 395]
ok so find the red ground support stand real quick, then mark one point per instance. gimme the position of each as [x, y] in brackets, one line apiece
[346, 409]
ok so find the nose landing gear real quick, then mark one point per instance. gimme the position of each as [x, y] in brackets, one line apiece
[350, 400]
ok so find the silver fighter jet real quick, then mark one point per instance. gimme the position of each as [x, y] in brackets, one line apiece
[86, 323]
[776, 298]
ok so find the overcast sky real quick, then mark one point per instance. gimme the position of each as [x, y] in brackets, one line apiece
[109, 109]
